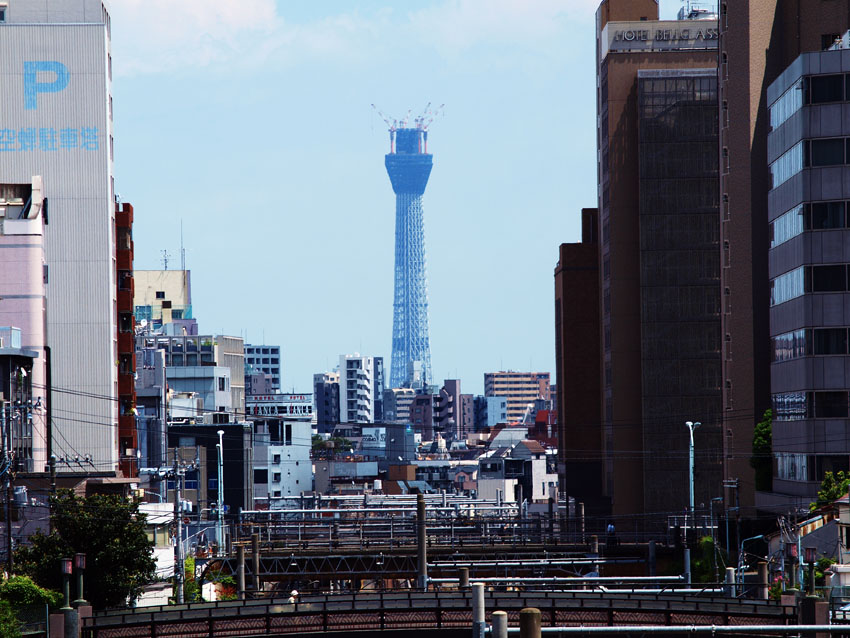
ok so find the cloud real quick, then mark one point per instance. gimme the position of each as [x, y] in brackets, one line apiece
[454, 26]
[160, 35]
[151, 36]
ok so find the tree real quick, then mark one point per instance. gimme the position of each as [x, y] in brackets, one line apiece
[110, 531]
[833, 487]
[334, 443]
[762, 459]
[21, 591]
[10, 626]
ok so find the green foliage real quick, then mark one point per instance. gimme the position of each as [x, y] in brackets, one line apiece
[21, 591]
[777, 588]
[833, 487]
[704, 558]
[10, 626]
[762, 459]
[110, 531]
[821, 567]
[191, 587]
[225, 584]
[336, 443]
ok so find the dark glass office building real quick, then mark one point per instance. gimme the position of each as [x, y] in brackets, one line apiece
[679, 280]
[808, 260]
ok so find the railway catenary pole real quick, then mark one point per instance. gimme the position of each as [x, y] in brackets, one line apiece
[421, 547]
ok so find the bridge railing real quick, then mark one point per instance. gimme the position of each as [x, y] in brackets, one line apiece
[424, 609]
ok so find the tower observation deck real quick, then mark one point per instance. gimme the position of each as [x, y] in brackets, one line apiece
[409, 166]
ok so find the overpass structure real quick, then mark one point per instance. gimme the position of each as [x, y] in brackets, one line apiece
[444, 612]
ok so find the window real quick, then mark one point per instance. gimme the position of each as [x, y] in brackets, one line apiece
[212, 484]
[191, 482]
[830, 341]
[221, 384]
[830, 405]
[276, 494]
[792, 467]
[4, 12]
[828, 39]
[160, 294]
[787, 286]
[790, 406]
[276, 477]
[261, 476]
[787, 165]
[821, 215]
[786, 226]
[826, 88]
[828, 152]
[829, 278]
[287, 434]
[791, 345]
[789, 103]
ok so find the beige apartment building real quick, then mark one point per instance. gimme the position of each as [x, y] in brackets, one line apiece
[519, 388]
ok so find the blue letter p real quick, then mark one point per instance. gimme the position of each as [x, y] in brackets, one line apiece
[32, 87]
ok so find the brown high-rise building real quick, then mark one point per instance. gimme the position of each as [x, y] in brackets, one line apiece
[577, 365]
[758, 40]
[658, 333]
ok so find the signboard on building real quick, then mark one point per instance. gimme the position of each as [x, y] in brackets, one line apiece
[291, 406]
[660, 35]
[374, 437]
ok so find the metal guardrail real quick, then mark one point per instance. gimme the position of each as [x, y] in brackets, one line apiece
[420, 609]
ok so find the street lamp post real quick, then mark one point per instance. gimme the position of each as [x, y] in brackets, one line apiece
[220, 446]
[741, 560]
[691, 425]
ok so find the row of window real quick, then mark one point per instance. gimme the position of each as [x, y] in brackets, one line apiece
[796, 406]
[788, 103]
[805, 279]
[808, 342]
[787, 165]
[255, 350]
[817, 89]
[833, 151]
[814, 216]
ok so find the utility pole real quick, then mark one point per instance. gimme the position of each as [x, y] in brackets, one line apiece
[733, 484]
[178, 519]
[178, 473]
[691, 426]
[6, 422]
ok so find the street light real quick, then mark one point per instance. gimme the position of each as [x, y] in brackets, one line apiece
[811, 558]
[220, 446]
[80, 566]
[691, 425]
[741, 559]
[66, 567]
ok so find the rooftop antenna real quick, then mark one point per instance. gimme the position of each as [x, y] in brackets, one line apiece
[182, 250]
[165, 257]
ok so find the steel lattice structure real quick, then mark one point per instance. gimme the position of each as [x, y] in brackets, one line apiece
[409, 166]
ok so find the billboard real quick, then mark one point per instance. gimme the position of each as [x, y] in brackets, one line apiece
[374, 437]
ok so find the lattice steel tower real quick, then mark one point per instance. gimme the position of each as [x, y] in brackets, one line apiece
[409, 166]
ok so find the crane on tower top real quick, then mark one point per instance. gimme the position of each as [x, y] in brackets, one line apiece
[420, 122]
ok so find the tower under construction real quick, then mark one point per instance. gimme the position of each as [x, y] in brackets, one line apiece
[409, 166]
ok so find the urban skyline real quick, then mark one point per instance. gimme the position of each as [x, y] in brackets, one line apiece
[491, 162]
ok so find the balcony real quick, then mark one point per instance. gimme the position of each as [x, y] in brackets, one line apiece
[126, 343]
[125, 300]
[124, 259]
[126, 384]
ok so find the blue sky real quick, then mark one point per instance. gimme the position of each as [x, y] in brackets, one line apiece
[250, 122]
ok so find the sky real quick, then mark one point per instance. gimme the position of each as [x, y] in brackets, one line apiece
[249, 123]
